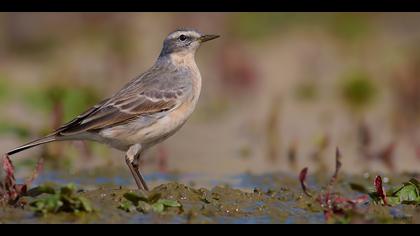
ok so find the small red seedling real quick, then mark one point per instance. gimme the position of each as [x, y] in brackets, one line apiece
[333, 203]
[10, 191]
[380, 189]
[302, 179]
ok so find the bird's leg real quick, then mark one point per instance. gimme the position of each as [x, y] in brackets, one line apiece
[138, 173]
[133, 172]
[131, 158]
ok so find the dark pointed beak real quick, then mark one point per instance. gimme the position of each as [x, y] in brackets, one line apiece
[208, 37]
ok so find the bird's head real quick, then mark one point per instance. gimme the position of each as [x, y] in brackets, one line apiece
[184, 42]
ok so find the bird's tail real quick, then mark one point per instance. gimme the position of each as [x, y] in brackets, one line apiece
[46, 139]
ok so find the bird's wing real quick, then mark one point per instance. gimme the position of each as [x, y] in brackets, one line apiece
[143, 97]
[82, 116]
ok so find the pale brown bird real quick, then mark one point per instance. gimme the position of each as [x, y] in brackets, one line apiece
[147, 110]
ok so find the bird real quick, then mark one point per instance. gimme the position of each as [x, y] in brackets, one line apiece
[147, 110]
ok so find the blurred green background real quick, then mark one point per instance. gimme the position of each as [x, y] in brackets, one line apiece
[280, 90]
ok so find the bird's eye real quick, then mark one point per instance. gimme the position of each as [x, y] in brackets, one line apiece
[182, 37]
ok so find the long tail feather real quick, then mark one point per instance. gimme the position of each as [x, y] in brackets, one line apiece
[46, 139]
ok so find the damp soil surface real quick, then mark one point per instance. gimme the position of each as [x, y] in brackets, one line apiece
[270, 198]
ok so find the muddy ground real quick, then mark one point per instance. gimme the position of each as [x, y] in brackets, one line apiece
[270, 198]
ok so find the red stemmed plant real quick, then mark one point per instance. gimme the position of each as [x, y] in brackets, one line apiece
[10, 191]
[332, 203]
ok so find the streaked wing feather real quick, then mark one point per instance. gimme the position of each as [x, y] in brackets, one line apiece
[83, 115]
[111, 115]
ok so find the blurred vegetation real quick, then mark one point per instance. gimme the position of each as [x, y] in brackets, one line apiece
[349, 27]
[273, 137]
[214, 109]
[249, 26]
[4, 88]
[27, 45]
[8, 126]
[405, 88]
[357, 90]
[20, 130]
[306, 90]
[73, 100]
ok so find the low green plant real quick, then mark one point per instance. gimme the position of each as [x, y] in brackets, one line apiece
[407, 193]
[143, 203]
[62, 200]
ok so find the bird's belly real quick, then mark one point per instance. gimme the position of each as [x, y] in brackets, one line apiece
[162, 128]
[159, 131]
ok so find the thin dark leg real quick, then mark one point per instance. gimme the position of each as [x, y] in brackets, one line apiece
[138, 178]
[136, 166]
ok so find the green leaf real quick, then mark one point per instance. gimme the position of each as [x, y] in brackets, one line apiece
[40, 190]
[50, 204]
[147, 204]
[68, 190]
[415, 182]
[394, 201]
[58, 201]
[135, 198]
[144, 207]
[127, 206]
[85, 204]
[158, 207]
[154, 198]
[407, 193]
[169, 203]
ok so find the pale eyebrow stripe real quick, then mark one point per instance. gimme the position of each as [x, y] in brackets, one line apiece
[187, 33]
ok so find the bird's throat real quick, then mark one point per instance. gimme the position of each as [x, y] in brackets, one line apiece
[182, 59]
